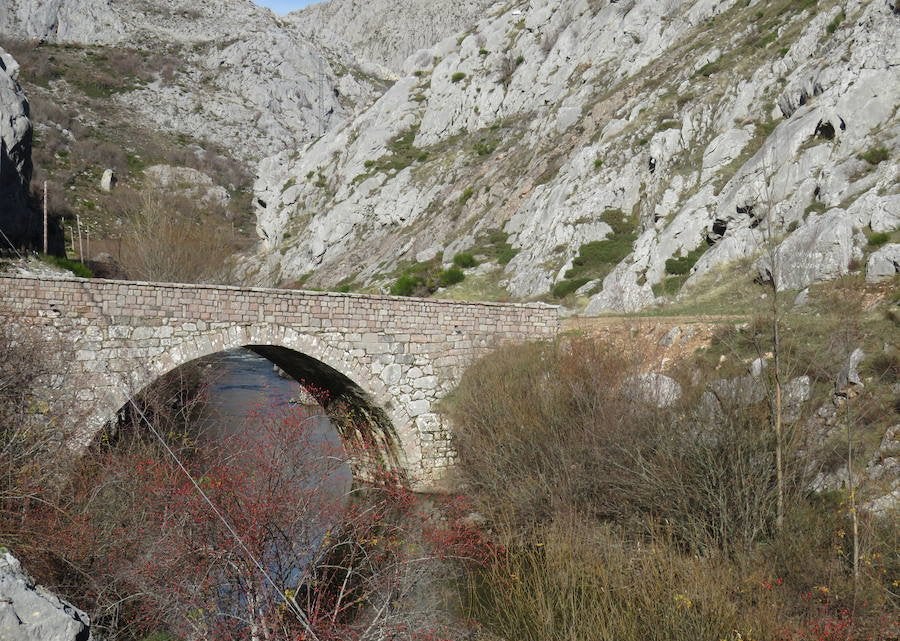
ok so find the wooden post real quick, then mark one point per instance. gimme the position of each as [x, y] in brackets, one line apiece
[71, 239]
[46, 243]
[80, 242]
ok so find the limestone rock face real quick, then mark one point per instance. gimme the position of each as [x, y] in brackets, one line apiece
[29, 612]
[244, 79]
[15, 152]
[384, 31]
[546, 116]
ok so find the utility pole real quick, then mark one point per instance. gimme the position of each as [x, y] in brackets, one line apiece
[80, 242]
[46, 244]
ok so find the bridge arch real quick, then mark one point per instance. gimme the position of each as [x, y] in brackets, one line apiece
[359, 404]
[394, 358]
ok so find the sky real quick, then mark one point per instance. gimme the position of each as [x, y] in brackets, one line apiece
[285, 6]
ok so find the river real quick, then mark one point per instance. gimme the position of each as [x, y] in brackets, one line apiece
[244, 384]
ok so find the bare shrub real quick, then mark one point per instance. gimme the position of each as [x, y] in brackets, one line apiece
[545, 429]
[168, 238]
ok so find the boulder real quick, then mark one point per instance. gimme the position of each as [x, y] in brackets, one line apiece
[820, 250]
[849, 374]
[108, 181]
[30, 612]
[658, 389]
[883, 264]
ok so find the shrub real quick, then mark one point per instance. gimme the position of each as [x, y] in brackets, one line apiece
[457, 76]
[506, 254]
[836, 22]
[680, 265]
[465, 260]
[451, 276]
[467, 194]
[486, 146]
[875, 155]
[406, 285]
[565, 287]
[878, 239]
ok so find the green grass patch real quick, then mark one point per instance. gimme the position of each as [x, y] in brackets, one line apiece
[597, 258]
[79, 269]
[493, 245]
[878, 239]
[451, 276]
[465, 260]
[680, 265]
[834, 24]
[875, 155]
[401, 153]
[457, 77]
[670, 285]
[568, 286]
[425, 278]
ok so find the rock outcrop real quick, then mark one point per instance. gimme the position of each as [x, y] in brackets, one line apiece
[703, 131]
[29, 612]
[15, 154]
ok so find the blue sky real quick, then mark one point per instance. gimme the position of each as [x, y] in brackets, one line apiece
[285, 6]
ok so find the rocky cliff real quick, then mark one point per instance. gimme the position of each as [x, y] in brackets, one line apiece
[15, 154]
[388, 32]
[616, 148]
[236, 74]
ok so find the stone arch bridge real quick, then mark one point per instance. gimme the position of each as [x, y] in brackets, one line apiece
[392, 359]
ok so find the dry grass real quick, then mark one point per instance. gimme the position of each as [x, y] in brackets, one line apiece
[618, 520]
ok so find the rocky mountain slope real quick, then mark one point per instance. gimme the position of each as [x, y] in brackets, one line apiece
[620, 150]
[236, 74]
[387, 32]
[15, 153]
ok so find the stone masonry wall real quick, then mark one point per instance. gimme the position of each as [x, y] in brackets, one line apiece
[118, 337]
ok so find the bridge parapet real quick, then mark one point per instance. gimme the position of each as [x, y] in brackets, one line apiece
[399, 355]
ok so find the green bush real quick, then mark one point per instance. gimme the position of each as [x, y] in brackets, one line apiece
[486, 146]
[465, 260]
[565, 287]
[406, 285]
[680, 265]
[457, 76]
[879, 238]
[451, 276]
[467, 194]
[875, 155]
[834, 24]
[506, 254]
[597, 258]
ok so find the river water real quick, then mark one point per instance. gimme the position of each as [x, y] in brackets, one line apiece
[245, 384]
